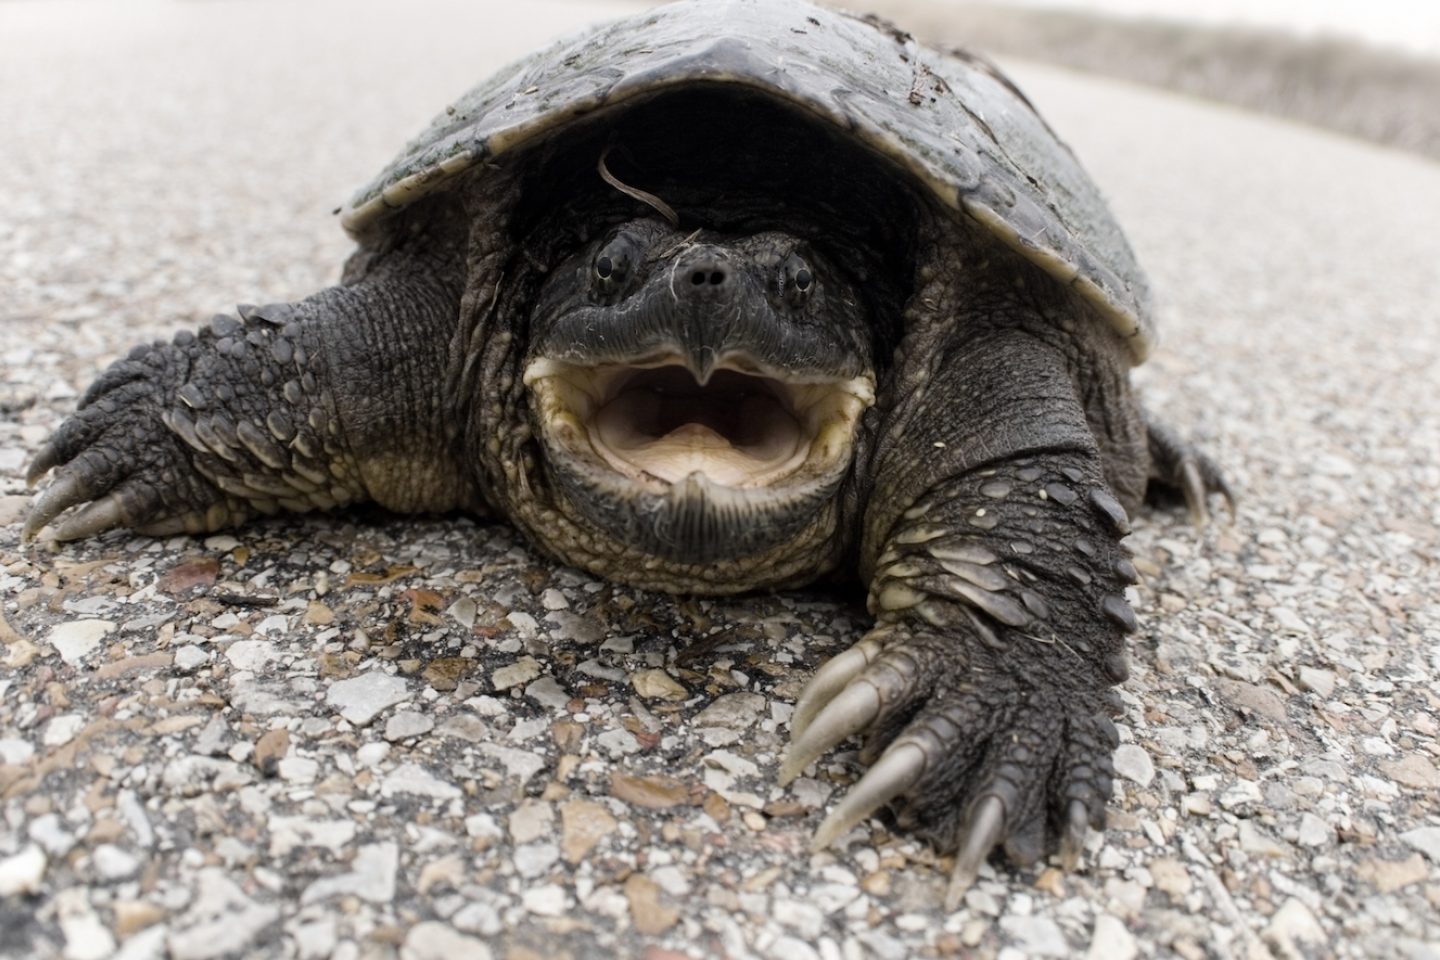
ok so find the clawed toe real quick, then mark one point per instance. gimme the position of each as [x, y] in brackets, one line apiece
[91, 519]
[65, 492]
[1178, 465]
[1072, 841]
[849, 712]
[829, 680]
[983, 830]
[893, 774]
[972, 768]
[859, 690]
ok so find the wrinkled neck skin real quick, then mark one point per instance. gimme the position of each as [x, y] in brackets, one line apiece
[681, 409]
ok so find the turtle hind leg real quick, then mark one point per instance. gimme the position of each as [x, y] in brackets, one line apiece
[1181, 473]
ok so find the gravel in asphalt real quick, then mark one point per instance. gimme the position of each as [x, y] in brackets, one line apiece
[365, 736]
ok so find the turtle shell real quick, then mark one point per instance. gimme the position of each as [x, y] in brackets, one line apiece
[951, 121]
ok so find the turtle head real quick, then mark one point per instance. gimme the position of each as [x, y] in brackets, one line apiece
[697, 397]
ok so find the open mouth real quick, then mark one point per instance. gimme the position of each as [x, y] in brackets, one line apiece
[743, 428]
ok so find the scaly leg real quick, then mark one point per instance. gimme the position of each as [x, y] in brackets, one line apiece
[329, 401]
[984, 689]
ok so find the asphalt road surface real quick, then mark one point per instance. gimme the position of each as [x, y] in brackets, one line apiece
[365, 736]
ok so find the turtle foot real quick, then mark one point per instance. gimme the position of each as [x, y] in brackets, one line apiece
[969, 759]
[115, 463]
[1179, 470]
[194, 435]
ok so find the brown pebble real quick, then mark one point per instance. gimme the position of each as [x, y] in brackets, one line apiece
[132, 916]
[651, 918]
[653, 793]
[148, 661]
[445, 673]
[717, 807]
[105, 830]
[876, 884]
[584, 823]
[188, 575]
[660, 953]
[566, 734]
[318, 614]
[270, 749]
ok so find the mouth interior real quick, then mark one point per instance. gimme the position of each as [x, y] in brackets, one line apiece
[738, 430]
[657, 424]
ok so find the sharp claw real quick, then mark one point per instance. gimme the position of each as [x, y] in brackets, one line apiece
[64, 493]
[1192, 483]
[987, 824]
[892, 775]
[829, 680]
[41, 465]
[1076, 820]
[1229, 495]
[91, 519]
[851, 711]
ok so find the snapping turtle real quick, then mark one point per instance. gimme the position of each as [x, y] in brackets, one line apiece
[730, 295]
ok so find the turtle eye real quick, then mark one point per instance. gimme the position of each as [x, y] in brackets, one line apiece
[796, 280]
[612, 265]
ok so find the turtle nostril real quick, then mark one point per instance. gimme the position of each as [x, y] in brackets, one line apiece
[708, 273]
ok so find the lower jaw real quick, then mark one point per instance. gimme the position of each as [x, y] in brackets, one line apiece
[690, 541]
[695, 522]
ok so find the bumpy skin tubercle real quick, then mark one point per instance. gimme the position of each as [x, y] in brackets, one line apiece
[998, 589]
[286, 407]
[907, 321]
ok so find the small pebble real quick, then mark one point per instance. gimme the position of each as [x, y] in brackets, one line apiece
[1133, 763]
[76, 640]
[405, 724]
[361, 699]
[22, 872]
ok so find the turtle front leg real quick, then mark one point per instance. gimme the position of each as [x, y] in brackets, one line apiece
[289, 407]
[984, 690]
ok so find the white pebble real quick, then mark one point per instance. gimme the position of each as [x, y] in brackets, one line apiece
[78, 639]
[23, 872]
[112, 863]
[62, 729]
[252, 655]
[1133, 763]
[1112, 940]
[407, 724]
[547, 901]
[433, 940]
[361, 699]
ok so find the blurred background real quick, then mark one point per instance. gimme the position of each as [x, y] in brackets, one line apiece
[1369, 69]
